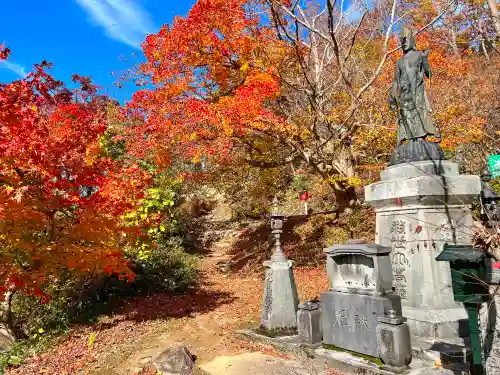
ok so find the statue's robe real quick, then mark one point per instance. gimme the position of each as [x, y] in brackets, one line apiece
[408, 89]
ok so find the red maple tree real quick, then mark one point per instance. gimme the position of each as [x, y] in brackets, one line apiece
[61, 197]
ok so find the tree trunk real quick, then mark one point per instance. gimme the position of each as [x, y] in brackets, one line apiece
[485, 51]
[495, 17]
[345, 197]
[453, 35]
[51, 226]
[483, 46]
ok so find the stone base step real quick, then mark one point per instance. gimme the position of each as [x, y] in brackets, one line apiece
[455, 356]
[350, 364]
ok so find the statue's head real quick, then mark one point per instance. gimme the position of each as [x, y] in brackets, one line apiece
[407, 39]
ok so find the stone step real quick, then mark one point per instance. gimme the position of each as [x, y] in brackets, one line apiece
[445, 352]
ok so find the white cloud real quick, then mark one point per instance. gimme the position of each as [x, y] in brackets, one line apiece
[13, 67]
[122, 20]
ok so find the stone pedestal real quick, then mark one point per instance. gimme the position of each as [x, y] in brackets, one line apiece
[394, 343]
[280, 304]
[350, 321]
[309, 323]
[420, 206]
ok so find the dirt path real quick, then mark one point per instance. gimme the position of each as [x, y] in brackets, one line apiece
[203, 320]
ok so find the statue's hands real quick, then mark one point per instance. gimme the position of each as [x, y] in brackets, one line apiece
[392, 103]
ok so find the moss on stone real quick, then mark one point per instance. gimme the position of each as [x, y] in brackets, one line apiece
[368, 358]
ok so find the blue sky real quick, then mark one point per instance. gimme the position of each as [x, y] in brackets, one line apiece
[86, 37]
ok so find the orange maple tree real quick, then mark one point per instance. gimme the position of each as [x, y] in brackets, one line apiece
[211, 81]
[225, 84]
[61, 197]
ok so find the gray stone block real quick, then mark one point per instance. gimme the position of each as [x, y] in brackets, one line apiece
[6, 339]
[419, 168]
[490, 332]
[417, 236]
[280, 302]
[394, 343]
[437, 324]
[309, 323]
[424, 190]
[359, 268]
[349, 321]
[341, 361]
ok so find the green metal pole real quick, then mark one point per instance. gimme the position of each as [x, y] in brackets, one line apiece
[474, 331]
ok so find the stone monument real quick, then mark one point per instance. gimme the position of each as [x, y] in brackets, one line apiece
[360, 292]
[421, 203]
[280, 303]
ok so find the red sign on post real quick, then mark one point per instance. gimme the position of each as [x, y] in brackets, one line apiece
[303, 195]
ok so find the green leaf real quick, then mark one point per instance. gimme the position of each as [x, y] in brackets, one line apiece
[92, 338]
[14, 360]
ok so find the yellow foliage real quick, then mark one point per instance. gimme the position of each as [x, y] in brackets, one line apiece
[244, 67]
[305, 134]
[349, 181]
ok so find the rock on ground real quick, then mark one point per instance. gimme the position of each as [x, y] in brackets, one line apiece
[6, 339]
[175, 361]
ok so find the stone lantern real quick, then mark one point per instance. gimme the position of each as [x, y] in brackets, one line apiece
[277, 221]
[280, 302]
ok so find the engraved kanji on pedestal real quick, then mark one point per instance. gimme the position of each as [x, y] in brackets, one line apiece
[280, 302]
[360, 291]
